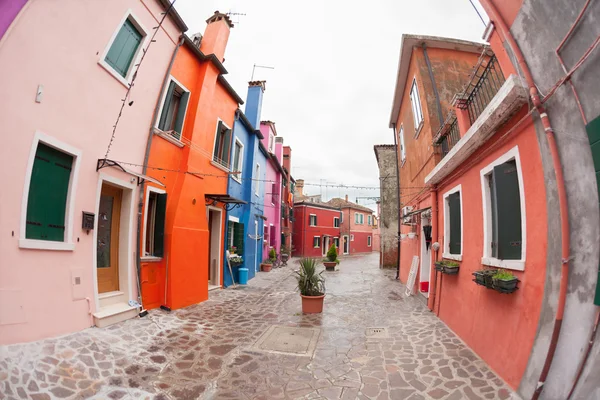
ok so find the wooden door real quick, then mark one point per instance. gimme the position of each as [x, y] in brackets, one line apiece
[107, 245]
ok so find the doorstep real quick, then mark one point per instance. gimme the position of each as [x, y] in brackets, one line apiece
[114, 313]
[213, 287]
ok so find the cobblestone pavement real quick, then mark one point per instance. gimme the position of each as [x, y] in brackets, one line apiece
[203, 351]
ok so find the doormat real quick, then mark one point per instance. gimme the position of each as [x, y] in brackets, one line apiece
[288, 340]
[377, 333]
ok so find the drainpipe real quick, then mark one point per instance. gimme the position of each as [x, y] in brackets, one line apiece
[435, 90]
[399, 204]
[560, 185]
[434, 239]
[144, 169]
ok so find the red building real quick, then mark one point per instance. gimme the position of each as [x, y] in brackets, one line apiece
[316, 226]
[287, 200]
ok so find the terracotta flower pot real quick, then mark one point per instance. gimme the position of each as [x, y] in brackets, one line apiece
[330, 265]
[312, 304]
[266, 267]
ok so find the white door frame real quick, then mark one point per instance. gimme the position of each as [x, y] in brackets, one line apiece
[256, 246]
[346, 242]
[424, 254]
[210, 245]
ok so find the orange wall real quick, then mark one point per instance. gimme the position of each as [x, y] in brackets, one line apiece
[186, 232]
[498, 327]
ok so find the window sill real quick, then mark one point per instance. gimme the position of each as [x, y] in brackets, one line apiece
[221, 167]
[108, 295]
[237, 180]
[151, 259]
[45, 245]
[455, 257]
[114, 73]
[167, 137]
[403, 162]
[419, 129]
[516, 265]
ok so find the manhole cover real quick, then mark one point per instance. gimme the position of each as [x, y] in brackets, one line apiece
[377, 333]
[288, 340]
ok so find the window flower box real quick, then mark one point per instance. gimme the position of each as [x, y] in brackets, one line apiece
[235, 260]
[447, 267]
[498, 280]
[484, 277]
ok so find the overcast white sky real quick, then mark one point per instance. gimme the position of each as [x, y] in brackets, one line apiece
[335, 64]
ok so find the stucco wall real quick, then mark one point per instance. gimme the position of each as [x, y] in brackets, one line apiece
[388, 219]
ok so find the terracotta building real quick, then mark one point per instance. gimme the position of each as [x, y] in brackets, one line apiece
[356, 226]
[315, 228]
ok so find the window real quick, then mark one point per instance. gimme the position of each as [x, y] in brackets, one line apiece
[368, 241]
[154, 233]
[235, 232]
[312, 220]
[265, 234]
[257, 179]
[402, 146]
[336, 222]
[274, 193]
[342, 217]
[336, 241]
[272, 235]
[453, 224]
[222, 145]
[238, 159]
[415, 103]
[352, 238]
[271, 143]
[504, 213]
[317, 241]
[359, 218]
[48, 192]
[369, 221]
[173, 109]
[124, 47]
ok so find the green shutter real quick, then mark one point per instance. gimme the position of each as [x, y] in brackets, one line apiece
[494, 244]
[508, 208]
[181, 113]
[48, 189]
[159, 225]
[123, 49]
[165, 110]
[593, 130]
[238, 238]
[225, 153]
[454, 241]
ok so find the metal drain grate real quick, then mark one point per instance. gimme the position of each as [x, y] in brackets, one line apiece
[377, 333]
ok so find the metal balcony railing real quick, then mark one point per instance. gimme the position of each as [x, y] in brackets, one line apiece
[451, 137]
[485, 82]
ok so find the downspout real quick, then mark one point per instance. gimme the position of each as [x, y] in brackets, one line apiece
[399, 203]
[144, 169]
[434, 239]
[560, 185]
[435, 91]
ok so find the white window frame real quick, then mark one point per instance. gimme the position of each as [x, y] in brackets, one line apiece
[341, 218]
[257, 179]
[147, 198]
[336, 241]
[402, 146]
[161, 133]
[237, 177]
[446, 251]
[416, 101]
[310, 219]
[67, 244]
[271, 143]
[487, 259]
[212, 156]
[352, 238]
[338, 219]
[369, 241]
[318, 246]
[369, 220]
[125, 81]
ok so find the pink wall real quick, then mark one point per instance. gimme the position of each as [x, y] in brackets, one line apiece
[272, 205]
[79, 107]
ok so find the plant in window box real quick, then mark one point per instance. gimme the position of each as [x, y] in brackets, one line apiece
[232, 250]
[504, 281]
[484, 277]
[235, 260]
[451, 267]
[331, 261]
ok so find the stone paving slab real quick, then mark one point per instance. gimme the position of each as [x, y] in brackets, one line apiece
[205, 351]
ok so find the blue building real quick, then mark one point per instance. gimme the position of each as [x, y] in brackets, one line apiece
[249, 157]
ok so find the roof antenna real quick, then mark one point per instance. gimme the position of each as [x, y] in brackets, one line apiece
[230, 13]
[259, 66]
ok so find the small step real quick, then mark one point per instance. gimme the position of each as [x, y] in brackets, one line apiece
[114, 313]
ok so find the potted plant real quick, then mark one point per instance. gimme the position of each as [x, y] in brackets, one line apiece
[235, 260]
[331, 261]
[451, 267]
[266, 265]
[311, 286]
[484, 277]
[504, 281]
[285, 254]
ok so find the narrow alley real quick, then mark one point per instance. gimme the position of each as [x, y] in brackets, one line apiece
[209, 350]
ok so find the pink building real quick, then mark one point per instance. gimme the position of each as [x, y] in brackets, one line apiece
[68, 256]
[356, 226]
[273, 189]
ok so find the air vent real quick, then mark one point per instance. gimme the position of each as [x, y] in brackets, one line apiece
[376, 333]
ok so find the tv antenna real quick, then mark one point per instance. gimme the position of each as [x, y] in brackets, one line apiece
[259, 66]
[231, 13]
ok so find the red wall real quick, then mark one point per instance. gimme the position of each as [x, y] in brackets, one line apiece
[359, 244]
[303, 233]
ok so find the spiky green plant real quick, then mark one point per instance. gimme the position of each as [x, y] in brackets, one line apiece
[503, 275]
[310, 282]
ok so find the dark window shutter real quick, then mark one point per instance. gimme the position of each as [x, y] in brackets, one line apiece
[48, 189]
[218, 142]
[282, 239]
[494, 207]
[181, 113]
[593, 131]
[238, 238]
[225, 155]
[123, 49]
[508, 206]
[272, 235]
[454, 241]
[165, 110]
[159, 225]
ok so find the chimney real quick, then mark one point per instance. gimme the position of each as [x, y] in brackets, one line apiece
[216, 35]
[346, 197]
[300, 186]
[254, 102]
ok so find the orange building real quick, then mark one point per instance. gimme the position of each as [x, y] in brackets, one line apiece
[182, 236]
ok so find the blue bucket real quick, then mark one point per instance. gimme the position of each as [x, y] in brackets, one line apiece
[243, 280]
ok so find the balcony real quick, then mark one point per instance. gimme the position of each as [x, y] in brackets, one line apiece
[509, 99]
[448, 135]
